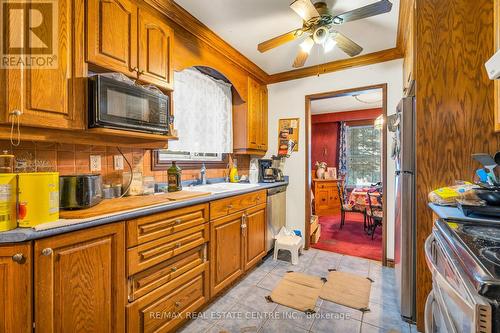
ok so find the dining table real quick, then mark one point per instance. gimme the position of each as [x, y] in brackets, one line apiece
[358, 198]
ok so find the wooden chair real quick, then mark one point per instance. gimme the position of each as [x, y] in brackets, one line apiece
[374, 213]
[345, 207]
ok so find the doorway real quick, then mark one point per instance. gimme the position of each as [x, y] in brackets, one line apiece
[348, 125]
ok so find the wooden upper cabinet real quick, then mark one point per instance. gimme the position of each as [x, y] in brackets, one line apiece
[45, 95]
[155, 50]
[250, 121]
[112, 35]
[80, 281]
[16, 288]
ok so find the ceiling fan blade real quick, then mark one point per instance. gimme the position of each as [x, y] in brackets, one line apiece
[377, 8]
[305, 9]
[301, 58]
[347, 45]
[279, 40]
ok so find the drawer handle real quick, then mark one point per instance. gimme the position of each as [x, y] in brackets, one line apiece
[177, 304]
[19, 258]
[178, 221]
[173, 269]
[178, 245]
[257, 199]
[47, 251]
[229, 206]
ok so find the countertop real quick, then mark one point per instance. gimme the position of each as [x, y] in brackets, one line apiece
[454, 214]
[26, 234]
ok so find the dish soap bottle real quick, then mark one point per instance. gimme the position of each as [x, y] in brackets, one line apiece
[254, 172]
[233, 173]
[174, 178]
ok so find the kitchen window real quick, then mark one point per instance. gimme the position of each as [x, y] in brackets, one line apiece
[364, 155]
[202, 117]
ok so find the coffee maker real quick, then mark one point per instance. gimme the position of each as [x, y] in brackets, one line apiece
[276, 166]
[266, 171]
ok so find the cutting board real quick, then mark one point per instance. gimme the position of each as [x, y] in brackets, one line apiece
[110, 206]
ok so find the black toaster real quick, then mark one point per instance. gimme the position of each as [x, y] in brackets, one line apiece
[79, 191]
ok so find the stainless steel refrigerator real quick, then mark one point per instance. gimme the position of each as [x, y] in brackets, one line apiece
[405, 233]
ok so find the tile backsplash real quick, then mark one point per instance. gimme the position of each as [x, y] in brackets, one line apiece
[70, 159]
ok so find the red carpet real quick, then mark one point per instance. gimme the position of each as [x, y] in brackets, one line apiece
[351, 239]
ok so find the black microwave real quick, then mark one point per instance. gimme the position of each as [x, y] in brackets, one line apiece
[120, 105]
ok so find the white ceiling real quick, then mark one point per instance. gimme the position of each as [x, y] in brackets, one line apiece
[246, 23]
[370, 100]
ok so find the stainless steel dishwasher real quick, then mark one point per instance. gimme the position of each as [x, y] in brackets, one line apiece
[276, 213]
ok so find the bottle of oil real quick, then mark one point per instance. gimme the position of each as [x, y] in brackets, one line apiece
[174, 178]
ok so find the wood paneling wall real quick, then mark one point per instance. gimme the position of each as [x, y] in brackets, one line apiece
[454, 105]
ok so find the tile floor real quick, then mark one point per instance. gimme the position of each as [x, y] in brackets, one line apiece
[243, 308]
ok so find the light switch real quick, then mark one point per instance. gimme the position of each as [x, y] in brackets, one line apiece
[118, 162]
[95, 163]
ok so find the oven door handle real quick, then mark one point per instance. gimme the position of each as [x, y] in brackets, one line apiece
[429, 321]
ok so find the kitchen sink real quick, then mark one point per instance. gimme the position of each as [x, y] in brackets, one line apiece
[220, 187]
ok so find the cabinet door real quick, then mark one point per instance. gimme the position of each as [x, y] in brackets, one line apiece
[333, 199]
[226, 251]
[44, 94]
[112, 35]
[263, 118]
[321, 199]
[15, 288]
[80, 281]
[255, 235]
[254, 116]
[155, 50]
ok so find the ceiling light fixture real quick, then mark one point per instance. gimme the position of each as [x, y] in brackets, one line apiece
[307, 45]
[356, 97]
[321, 35]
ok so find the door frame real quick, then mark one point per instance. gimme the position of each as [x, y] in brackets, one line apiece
[308, 185]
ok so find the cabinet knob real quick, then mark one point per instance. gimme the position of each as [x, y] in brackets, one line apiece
[135, 69]
[229, 206]
[177, 304]
[178, 245]
[173, 269]
[178, 221]
[47, 251]
[18, 257]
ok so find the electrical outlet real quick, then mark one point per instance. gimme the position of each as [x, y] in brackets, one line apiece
[95, 163]
[118, 162]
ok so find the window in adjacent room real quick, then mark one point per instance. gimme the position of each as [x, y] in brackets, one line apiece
[364, 155]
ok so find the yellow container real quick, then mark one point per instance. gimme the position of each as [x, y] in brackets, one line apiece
[38, 200]
[8, 187]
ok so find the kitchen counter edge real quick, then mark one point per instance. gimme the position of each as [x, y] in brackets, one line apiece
[26, 234]
[450, 213]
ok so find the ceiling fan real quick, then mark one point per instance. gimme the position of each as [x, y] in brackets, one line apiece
[319, 28]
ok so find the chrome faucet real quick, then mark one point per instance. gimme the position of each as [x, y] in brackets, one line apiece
[203, 174]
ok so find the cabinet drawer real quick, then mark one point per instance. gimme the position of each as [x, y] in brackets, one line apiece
[231, 205]
[166, 307]
[166, 272]
[149, 254]
[327, 186]
[145, 229]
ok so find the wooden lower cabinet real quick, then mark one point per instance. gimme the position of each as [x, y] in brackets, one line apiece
[238, 242]
[326, 197]
[80, 283]
[16, 288]
[255, 235]
[170, 304]
[226, 251]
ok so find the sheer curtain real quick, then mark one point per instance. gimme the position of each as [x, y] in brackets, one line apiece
[202, 113]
